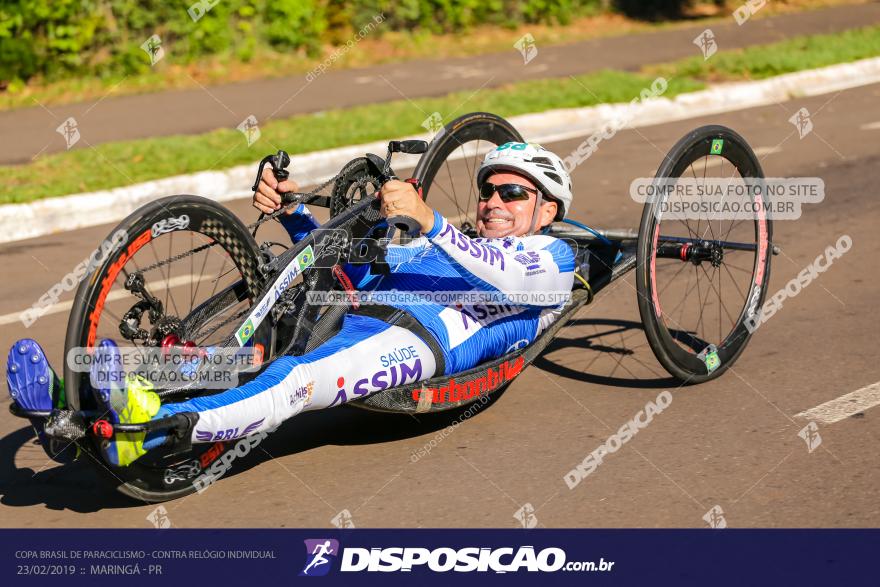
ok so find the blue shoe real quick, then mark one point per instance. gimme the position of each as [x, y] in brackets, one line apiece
[34, 386]
[126, 399]
[29, 376]
[106, 372]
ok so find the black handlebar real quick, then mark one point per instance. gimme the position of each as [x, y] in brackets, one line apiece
[380, 169]
[280, 161]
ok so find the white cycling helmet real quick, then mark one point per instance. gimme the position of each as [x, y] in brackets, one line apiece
[543, 167]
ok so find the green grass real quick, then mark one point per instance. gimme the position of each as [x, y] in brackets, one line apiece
[109, 165]
[389, 47]
[763, 61]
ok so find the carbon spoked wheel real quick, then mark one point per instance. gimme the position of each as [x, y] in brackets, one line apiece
[149, 293]
[699, 278]
[449, 168]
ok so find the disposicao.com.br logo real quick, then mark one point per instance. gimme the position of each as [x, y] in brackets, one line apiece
[441, 560]
[320, 554]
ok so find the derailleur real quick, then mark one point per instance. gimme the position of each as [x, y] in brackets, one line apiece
[268, 263]
[162, 325]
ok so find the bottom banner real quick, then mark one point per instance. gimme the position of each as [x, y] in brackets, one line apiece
[613, 557]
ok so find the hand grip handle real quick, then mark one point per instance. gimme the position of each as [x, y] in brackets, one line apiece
[280, 161]
[412, 147]
[405, 224]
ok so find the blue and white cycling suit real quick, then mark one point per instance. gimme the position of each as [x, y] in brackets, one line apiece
[369, 355]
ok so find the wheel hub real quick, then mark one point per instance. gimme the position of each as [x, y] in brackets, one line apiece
[704, 251]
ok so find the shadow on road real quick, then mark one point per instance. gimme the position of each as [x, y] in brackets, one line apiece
[76, 486]
[82, 486]
[617, 338]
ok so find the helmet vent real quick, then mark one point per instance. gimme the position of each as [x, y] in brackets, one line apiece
[555, 177]
[542, 162]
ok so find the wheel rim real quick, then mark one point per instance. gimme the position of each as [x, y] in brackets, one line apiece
[182, 287]
[700, 307]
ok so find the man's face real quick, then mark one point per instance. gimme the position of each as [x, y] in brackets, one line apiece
[497, 219]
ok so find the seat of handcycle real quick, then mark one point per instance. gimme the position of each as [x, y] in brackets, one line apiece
[448, 391]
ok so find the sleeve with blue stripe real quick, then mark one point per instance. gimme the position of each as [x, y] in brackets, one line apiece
[299, 223]
[395, 256]
[526, 271]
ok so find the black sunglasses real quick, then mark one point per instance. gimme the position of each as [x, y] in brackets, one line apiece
[508, 192]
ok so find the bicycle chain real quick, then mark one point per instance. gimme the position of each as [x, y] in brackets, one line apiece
[199, 334]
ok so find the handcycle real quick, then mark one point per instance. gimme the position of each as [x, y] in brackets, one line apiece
[259, 299]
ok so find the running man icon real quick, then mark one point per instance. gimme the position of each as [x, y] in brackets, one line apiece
[319, 552]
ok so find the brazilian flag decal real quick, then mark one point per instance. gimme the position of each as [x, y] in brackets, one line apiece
[306, 258]
[712, 361]
[710, 358]
[717, 146]
[245, 332]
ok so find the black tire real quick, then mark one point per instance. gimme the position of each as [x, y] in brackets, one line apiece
[481, 128]
[681, 344]
[91, 316]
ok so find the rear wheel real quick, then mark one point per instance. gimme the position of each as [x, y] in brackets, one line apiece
[199, 297]
[448, 169]
[700, 279]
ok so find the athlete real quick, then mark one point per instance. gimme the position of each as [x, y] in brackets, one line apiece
[522, 188]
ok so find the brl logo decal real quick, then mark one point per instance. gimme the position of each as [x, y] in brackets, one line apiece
[320, 554]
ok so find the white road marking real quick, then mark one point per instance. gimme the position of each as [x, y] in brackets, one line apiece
[844, 406]
[871, 126]
[113, 295]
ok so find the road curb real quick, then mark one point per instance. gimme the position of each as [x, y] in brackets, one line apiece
[563, 124]
[52, 215]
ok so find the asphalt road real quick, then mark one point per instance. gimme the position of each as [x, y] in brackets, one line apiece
[731, 443]
[31, 132]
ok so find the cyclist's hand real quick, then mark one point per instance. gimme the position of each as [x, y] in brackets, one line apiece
[401, 199]
[267, 198]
